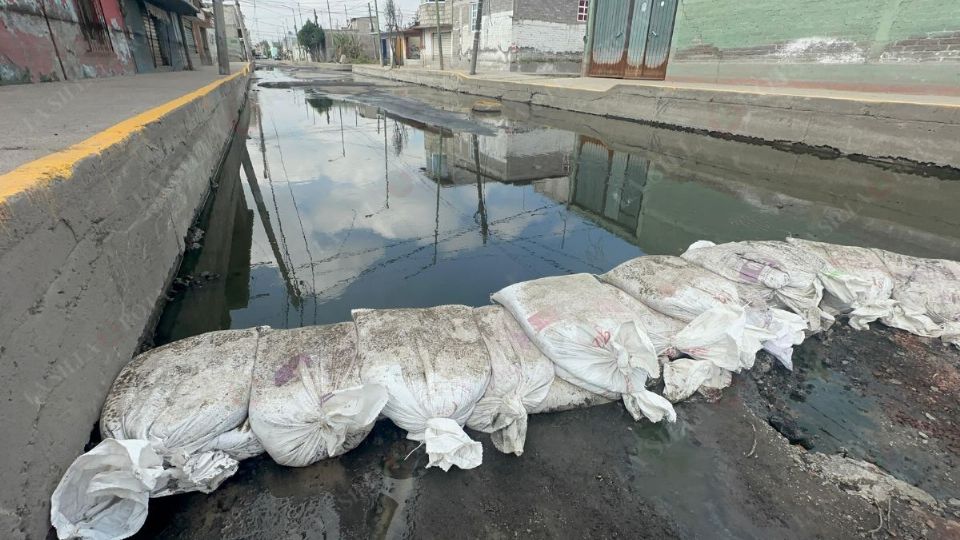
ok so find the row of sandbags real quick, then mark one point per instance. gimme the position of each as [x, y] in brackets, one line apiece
[179, 418]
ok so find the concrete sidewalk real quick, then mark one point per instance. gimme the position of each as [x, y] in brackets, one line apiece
[916, 129]
[104, 182]
[43, 118]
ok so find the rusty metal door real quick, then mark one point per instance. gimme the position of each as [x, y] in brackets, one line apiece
[610, 28]
[632, 38]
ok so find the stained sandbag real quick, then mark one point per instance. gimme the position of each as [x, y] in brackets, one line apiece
[519, 381]
[857, 283]
[684, 290]
[435, 368]
[565, 396]
[307, 401]
[595, 341]
[927, 295]
[673, 286]
[716, 335]
[189, 399]
[104, 494]
[685, 376]
[790, 273]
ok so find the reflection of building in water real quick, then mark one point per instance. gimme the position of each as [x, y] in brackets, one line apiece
[605, 184]
[511, 156]
[609, 184]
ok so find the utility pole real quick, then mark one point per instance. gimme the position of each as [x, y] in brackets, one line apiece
[329, 16]
[220, 33]
[588, 46]
[376, 9]
[436, 3]
[476, 38]
[376, 45]
[346, 18]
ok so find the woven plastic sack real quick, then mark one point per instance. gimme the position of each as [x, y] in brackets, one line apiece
[104, 494]
[189, 399]
[307, 402]
[435, 368]
[790, 273]
[595, 341]
[927, 293]
[683, 290]
[520, 379]
[856, 284]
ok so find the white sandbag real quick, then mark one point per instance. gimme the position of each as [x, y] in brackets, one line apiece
[520, 379]
[307, 401]
[683, 290]
[790, 272]
[189, 400]
[435, 368]
[673, 286]
[857, 282]
[105, 493]
[716, 335]
[565, 396]
[927, 292]
[595, 341]
[685, 376]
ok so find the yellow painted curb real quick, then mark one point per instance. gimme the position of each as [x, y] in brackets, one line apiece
[60, 164]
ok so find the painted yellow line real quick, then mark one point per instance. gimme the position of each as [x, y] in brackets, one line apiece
[60, 164]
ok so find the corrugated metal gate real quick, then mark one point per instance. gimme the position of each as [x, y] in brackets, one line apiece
[631, 38]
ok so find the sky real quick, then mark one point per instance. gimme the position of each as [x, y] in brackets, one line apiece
[267, 19]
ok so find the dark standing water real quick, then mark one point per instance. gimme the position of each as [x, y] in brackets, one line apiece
[336, 204]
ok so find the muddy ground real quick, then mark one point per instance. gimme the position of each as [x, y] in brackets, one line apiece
[722, 471]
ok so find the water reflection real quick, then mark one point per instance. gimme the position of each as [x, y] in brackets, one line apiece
[333, 204]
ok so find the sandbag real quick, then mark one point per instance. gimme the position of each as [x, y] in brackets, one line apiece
[435, 368]
[857, 283]
[595, 341]
[683, 290]
[520, 379]
[927, 295]
[565, 396]
[791, 273]
[685, 376]
[188, 399]
[104, 493]
[716, 335]
[307, 401]
[673, 286]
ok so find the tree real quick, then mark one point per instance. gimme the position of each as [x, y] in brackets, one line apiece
[313, 38]
[265, 48]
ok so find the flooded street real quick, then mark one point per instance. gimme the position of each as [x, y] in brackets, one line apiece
[346, 193]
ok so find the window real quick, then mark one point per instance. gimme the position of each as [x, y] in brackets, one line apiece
[583, 8]
[93, 26]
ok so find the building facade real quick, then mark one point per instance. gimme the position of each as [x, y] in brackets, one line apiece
[517, 35]
[57, 40]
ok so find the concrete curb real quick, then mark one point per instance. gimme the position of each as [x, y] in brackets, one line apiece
[89, 238]
[882, 131]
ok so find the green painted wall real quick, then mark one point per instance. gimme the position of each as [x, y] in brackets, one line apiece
[756, 23]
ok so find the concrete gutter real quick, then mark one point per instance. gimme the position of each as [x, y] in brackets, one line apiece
[89, 238]
[920, 130]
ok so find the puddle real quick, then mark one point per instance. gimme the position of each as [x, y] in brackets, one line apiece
[345, 204]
